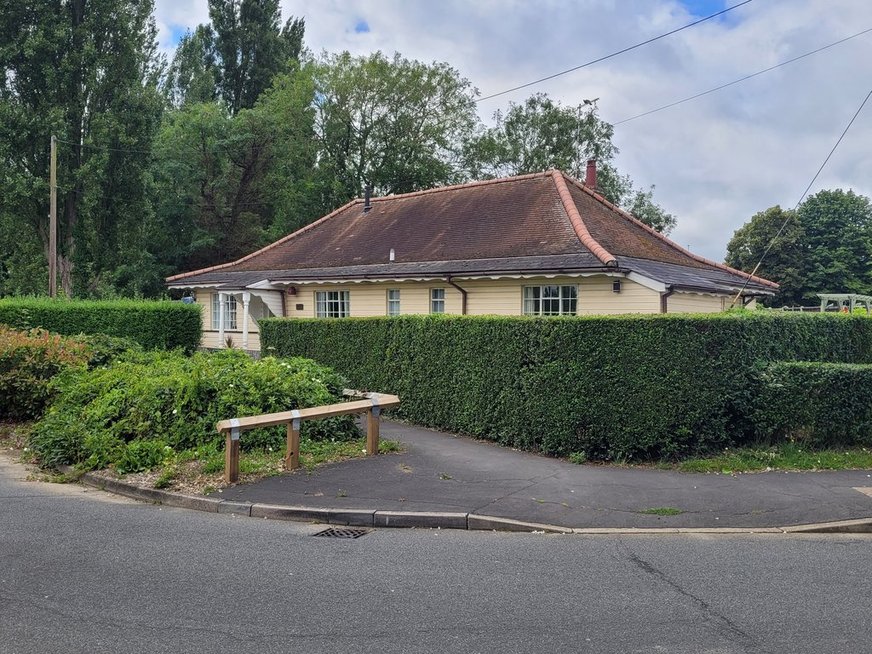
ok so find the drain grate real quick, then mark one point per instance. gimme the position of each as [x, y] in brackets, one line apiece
[343, 532]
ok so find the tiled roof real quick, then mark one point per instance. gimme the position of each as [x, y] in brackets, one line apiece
[530, 223]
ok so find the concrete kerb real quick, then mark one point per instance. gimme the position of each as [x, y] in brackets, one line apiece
[434, 520]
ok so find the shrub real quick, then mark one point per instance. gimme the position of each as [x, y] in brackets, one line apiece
[177, 400]
[28, 362]
[822, 404]
[613, 387]
[154, 325]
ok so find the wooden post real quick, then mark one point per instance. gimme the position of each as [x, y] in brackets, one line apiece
[231, 456]
[292, 454]
[53, 220]
[372, 425]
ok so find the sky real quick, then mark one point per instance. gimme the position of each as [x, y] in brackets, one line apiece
[714, 161]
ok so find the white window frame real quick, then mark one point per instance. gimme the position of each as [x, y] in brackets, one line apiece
[332, 304]
[393, 296]
[230, 304]
[534, 299]
[437, 300]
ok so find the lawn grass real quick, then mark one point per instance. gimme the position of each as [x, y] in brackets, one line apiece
[786, 456]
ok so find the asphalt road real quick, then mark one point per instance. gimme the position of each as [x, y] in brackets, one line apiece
[82, 571]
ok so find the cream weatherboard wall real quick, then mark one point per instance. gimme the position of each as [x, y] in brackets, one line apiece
[502, 297]
[696, 303]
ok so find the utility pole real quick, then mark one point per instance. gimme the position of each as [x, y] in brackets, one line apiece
[53, 222]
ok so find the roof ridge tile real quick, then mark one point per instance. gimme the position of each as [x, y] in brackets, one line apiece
[628, 216]
[577, 222]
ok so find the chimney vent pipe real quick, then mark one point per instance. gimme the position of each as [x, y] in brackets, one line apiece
[367, 194]
[590, 174]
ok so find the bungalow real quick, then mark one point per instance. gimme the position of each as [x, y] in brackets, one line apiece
[543, 244]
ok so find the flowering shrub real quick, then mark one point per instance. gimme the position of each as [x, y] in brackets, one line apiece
[28, 362]
[176, 400]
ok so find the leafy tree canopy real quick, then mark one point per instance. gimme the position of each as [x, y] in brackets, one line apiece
[825, 247]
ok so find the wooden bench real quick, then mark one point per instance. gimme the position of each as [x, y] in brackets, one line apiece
[370, 403]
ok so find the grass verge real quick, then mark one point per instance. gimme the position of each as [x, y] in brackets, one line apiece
[787, 456]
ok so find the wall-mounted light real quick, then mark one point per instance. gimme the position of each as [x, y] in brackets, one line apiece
[292, 290]
[616, 286]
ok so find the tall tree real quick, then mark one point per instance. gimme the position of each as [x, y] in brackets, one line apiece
[87, 72]
[541, 134]
[252, 47]
[193, 74]
[825, 247]
[225, 183]
[395, 124]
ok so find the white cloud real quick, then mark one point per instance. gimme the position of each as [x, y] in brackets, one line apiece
[715, 161]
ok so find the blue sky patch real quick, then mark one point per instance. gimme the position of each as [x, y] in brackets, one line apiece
[704, 8]
[361, 27]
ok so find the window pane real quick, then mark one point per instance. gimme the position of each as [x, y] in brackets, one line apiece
[437, 300]
[215, 310]
[393, 302]
[230, 312]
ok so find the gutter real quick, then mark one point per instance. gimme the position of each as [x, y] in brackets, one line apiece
[463, 295]
[664, 298]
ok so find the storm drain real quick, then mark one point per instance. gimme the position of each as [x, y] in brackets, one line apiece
[343, 532]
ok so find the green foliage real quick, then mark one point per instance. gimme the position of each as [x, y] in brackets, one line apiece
[87, 73]
[164, 325]
[396, 124]
[818, 404]
[614, 387]
[825, 247]
[28, 363]
[177, 400]
[140, 455]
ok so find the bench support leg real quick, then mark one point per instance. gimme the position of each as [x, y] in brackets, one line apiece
[292, 453]
[231, 457]
[372, 427]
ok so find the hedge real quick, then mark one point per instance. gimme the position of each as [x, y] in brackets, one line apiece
[613, 387]
[822, 404]
[154, 325]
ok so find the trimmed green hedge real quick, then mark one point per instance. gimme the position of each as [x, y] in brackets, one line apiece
[154, 325]
[613, 387]
[823, 404]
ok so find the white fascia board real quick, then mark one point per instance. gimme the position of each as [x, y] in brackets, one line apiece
[264, 285]
[181, 285]
[647, 282]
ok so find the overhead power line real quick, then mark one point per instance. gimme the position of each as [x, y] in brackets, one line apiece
[802, 197]
[613, 54]
[742, 79]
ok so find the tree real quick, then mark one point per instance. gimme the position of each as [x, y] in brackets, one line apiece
[395, 124]
[222, 180]
[252, 47]
[782, 263]
[825, 246]
[86, 71]
[838, 243]
[193, 74]
[541, 134]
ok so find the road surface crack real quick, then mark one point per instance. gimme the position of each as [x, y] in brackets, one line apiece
[719, 621]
